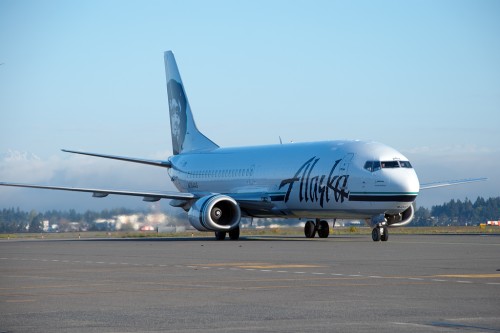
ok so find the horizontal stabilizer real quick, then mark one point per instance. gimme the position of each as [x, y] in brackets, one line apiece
[164, 164]
[101, 193]
[450, 183]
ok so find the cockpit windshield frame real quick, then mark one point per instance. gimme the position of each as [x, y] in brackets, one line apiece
[373, 166]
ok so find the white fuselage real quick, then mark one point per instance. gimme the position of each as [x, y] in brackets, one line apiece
[333, 179]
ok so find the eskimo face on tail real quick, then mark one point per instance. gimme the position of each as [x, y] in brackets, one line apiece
[177, 105]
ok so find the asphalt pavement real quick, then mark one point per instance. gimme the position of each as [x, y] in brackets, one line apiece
[412, 283]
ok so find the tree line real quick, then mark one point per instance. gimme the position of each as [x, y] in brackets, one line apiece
[453, 213]
[459, 213]
[14, 220]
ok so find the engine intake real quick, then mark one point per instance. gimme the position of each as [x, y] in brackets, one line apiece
[216, 212]
[401, 219]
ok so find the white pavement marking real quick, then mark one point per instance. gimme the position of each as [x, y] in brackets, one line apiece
[249, 269]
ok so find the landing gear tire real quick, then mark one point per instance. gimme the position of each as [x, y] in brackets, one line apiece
[384, 237]
[310, 229]
[220, 235]
[234, 234]
[324, 229]
[376, 234]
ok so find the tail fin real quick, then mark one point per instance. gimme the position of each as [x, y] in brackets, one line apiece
[185, 136]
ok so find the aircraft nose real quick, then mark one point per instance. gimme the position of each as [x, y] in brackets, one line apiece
[405, 182]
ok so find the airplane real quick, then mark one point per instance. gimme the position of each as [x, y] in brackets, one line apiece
[315, 181]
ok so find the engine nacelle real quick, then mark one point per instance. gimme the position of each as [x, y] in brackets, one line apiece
[216, 212]
[401, 219]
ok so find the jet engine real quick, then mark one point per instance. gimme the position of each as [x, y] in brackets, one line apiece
[401, 219]
[216, 212]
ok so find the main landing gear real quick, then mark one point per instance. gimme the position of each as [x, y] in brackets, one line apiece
[234, 234]
[320, 226]
[380, 233]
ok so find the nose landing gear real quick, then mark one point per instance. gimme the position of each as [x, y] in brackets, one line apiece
[380, 233]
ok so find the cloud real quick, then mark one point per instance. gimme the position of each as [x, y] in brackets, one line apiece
[13, 164]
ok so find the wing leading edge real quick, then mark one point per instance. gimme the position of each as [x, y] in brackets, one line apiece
[426, 186]
[247, 201]
[101, 193]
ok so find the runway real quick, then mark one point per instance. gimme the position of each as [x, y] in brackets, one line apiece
[258, 284]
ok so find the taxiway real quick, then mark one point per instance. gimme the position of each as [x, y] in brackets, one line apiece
[258, 284]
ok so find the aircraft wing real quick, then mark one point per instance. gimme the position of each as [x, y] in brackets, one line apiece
[259, 203]
[165, 164]
[426, 186]
[101, 193]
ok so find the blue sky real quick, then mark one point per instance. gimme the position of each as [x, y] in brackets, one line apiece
[421, 76]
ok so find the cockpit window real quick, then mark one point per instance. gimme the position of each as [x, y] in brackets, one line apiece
[377, 165]
[372, 166]
[389, 164]
[405, 164]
